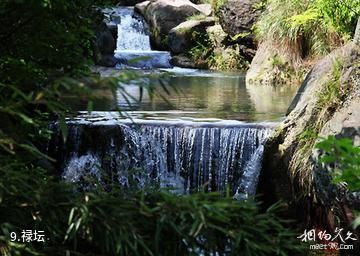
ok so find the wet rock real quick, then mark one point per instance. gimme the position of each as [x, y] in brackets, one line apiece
[163, 15]
[237, 18]
[104, 46]
[181, 38]
[291, 169]
[183, 61]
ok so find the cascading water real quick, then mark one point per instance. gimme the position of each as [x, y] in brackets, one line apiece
[187, 156]
[133, 42]
[132, 31]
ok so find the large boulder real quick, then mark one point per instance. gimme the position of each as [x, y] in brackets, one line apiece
[163, 15]
[357, 33]
[182, 37]
[273, 65]
[237, 18]
[327, 103]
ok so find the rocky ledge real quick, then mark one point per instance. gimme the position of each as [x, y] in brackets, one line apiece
[327, 103]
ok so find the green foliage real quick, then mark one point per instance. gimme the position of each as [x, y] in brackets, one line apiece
[132, 223]
[44, 47]
[310, 27]
[216, 4]
[330, 92]
[47, 34]
[296, 24]
[215, 58]
[342, 15]
[344, 158]
[240, 36]
[228, 59]
[196, 17]
[202, 49]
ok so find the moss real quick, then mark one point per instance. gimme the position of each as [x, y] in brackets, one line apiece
[164, 40]
[328, 98]
[196, 17]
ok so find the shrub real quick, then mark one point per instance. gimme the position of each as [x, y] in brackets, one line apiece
[341, 15]
[310, 27]
[215, 57]
[344, 160]
[133, 222]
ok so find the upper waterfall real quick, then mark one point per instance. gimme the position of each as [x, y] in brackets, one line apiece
[133, 42]
[133, 32]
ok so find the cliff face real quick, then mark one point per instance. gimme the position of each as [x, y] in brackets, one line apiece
[327, 103]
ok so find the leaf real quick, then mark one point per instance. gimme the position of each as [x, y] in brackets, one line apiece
[137, 59]
[90, 106]
[63, 127]
[35, 151]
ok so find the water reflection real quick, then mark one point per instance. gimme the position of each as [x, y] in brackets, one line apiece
[211, 95]
[198, 94]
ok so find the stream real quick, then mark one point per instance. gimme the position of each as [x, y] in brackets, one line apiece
[208, 136]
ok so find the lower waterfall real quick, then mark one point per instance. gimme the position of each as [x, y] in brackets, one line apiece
[187, 156]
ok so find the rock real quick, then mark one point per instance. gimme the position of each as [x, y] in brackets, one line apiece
[290, 168]
[185, 62]
[217, 36]
[237, 18]
[272, 66]
[163, 15]
[204, 9]
[357, 33]
[104, 39]
[107, 60]
[104, 46]
[141, 7]
[181, 38]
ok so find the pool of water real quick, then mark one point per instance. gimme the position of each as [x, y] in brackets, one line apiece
[192, 94]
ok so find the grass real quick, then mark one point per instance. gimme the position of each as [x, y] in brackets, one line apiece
[299, 27]
[327, 99]
[118, 222]
[310, 27]
[216, 58]
[329, 95]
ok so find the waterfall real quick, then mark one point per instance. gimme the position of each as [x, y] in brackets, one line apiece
[132, 31]
[188, 156]
[133, 42]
